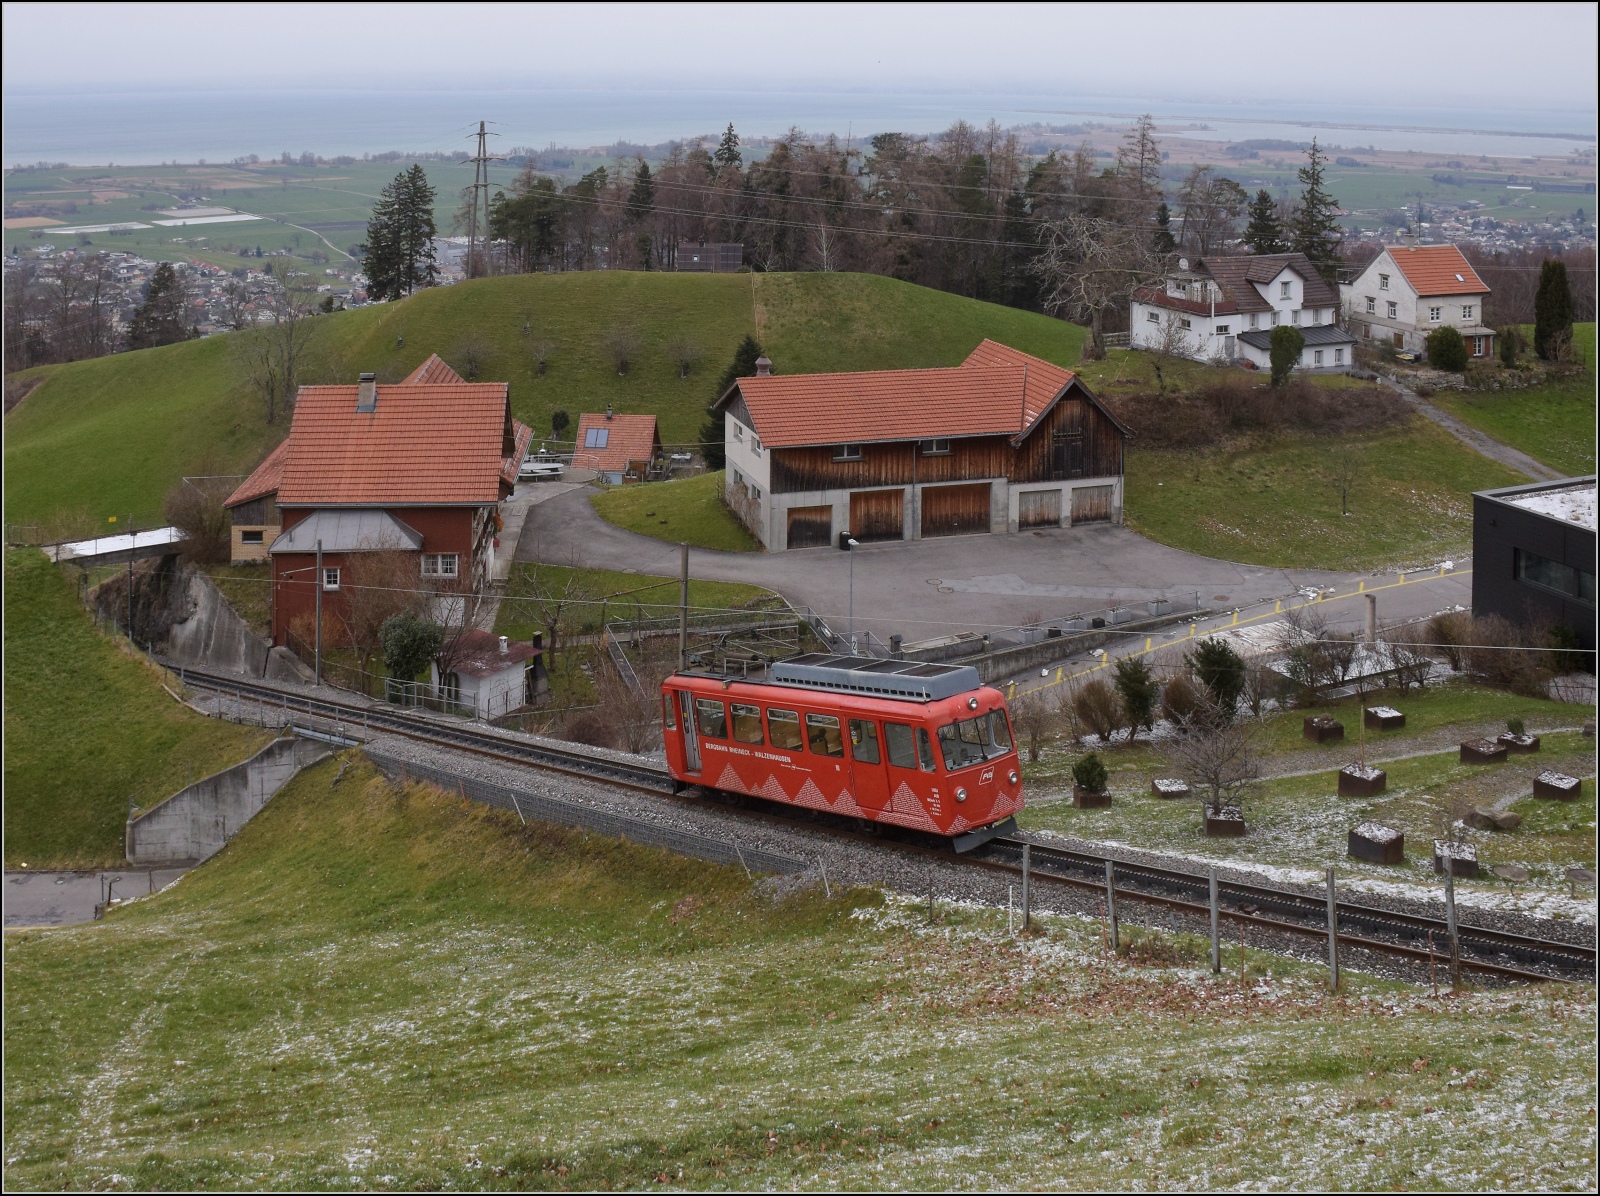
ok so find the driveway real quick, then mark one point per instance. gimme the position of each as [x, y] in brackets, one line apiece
[67, 898]
[928, 588]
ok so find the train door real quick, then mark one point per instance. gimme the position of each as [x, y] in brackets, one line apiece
[691, 738]
[869, 777]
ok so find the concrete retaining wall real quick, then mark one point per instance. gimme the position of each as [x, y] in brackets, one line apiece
[1003, 663]
[215, 637]
[195, 822]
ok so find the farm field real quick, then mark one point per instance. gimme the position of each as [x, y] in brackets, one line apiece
[87, 728]
[109, 436]
[1554, 423]
[686, 511]
[377, 987]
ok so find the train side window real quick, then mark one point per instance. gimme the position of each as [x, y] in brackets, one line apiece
[669, 713]
[925, 750]
[864, 740]
[783, 726]
[902, 749]
[712, 717]
[1001, 730]
[823, 732]
[746, 723]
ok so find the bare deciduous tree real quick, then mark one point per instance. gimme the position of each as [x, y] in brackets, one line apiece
[685, 352]
[622, 346]
[375, 586]
[272, 357]
[1033, 719]
[1089, 265]
[1216, 754]
[472, 354]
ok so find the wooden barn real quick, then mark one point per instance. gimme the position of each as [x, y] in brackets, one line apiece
[1004, 442]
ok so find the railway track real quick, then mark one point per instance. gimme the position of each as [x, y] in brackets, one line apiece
[1266, 907]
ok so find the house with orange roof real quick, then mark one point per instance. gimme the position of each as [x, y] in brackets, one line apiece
[1409, 290]
[1004, 442]
[620, 448]
[419, 466]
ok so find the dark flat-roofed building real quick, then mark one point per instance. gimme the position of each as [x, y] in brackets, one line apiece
[1533, 550]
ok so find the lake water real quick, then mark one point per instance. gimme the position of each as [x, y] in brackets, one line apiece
[130, 127]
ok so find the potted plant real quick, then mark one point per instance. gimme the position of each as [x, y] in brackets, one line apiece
[1516, 740]
[1089, 778]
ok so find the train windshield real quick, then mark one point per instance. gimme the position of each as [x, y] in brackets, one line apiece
[974, 740]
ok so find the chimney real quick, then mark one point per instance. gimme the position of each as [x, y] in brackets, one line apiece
[608, 411]
[505, 646]
[763, 366]
[367, 393]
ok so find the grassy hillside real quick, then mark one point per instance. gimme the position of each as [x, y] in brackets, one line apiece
[1553, 423]
[378, 988]
[108, 437]
[87, 728]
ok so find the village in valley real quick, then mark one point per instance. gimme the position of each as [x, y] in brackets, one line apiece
[1057, 652]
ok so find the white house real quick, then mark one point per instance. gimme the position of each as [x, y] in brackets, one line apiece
[1409, 290]
[1225, 308]
[489, 673]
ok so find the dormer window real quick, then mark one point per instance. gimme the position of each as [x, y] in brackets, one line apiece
[1383, 282]
[1285, 290]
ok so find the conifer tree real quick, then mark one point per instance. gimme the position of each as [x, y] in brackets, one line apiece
[1162, 240]
[743, 365]
[1314, 231]
[400, 256]
[642, 199]
[1552, 311]
[1264, 233]
[159, 319]
[728, 149]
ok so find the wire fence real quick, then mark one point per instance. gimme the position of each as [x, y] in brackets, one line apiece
[603, 822]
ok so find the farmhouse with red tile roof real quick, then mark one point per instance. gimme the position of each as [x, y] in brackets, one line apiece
[1001, 443]
[419, 466]
[1409, 290]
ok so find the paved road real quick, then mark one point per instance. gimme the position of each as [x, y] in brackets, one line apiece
[1468, 435]
[928, 588]
[67, 898]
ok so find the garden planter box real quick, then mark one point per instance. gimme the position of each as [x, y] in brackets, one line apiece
[1227, 821]
[1482, 751]
[1356, 781]
[1167, 787]
[1518, 745]
[1383, 718]
[1323, 729]
[1460, 858]
[1557, 785]
[1378, 844]
[1086, 799]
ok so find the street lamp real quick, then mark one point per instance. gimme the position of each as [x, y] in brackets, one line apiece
[850, 544]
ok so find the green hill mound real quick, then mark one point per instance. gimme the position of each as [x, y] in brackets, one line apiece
[109, 436]
[87, 728]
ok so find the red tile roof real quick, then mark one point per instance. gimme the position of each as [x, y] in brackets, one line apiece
[1437, 270]
[628, 438]
[264, 480]
[423, 445]
[996, 391]
[432, 372]
[521, 434]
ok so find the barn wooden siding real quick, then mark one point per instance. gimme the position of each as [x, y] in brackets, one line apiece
[1075, 440]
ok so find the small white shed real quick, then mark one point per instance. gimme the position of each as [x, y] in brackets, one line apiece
[491, 674]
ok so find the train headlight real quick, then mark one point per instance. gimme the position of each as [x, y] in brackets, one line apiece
[1013, 777]
[972, 703]
[961, 795]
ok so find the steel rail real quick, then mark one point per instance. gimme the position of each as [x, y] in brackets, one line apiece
[1047, 863]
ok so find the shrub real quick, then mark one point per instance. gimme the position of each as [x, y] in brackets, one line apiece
[195, 508]
[1221, 670]
[1098, 707]
[1510, 345]
[1180, 700]
[1446, 350]
[1287, 343]
[587, 727]
[1515, 725]
[409, 643]
[1089, 774]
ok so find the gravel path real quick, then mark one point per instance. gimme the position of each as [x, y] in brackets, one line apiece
[1468, 435]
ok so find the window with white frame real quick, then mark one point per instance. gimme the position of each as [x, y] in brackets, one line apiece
[1338, 357]
[1294, 316]
[1153, 318]
[1255, 319]
[1383, 282]
[1222, 330]
[1316, 357]
[330, 579]
[1275, 319]
[1435, 313]
[738, 431]
[440, 564]
[738, 478]
[1285, 290]
[1372, 306]
[1466, 311]
[1477, 346]
[847, 452]
[1394, 311]
[937, 447]
[1184, 324]
[755, 444]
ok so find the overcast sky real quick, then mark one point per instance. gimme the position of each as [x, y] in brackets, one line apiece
[1539, 56]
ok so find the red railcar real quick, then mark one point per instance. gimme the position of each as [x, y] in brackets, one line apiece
[923, 746]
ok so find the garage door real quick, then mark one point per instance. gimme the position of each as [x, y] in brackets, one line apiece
[1039, 508]
[810, 527]
[955, 510]
[877, 515]
[1091, 504]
